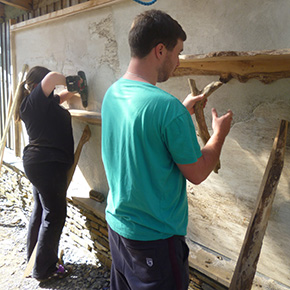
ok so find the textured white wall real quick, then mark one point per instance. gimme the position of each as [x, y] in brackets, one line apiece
[220, 208]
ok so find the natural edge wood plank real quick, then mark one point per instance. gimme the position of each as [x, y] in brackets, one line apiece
[266, 66]
[247, 262]
[69, 11]
[86, 116]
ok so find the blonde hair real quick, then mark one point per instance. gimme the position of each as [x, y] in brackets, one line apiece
[34, 77]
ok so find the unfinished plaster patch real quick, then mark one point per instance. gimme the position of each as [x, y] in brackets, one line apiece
[277, 110]
[104, 29]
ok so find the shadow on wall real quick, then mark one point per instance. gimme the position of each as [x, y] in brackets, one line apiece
[90, 173]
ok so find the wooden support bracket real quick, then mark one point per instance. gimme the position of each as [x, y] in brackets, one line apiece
[247, 263]
[198, 110]
[89, 117]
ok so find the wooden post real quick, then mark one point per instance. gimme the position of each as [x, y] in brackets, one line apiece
[10, 115]
[17, 143]
[247, 263]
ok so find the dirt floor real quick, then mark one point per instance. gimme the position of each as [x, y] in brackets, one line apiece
[87, 272]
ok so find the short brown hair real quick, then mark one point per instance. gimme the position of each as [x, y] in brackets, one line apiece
[151, 28]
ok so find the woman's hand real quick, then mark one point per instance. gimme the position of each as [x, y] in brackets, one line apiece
[65, 95]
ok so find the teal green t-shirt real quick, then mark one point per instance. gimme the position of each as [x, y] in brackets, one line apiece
[145, 132]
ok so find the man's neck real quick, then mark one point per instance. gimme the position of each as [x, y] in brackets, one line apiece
[140, 70]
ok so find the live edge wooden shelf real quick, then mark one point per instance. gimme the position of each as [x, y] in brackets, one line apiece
[86, 116]
[266, 65]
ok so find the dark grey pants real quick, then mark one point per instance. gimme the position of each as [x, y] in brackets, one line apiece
[48, 216]
[150, 265]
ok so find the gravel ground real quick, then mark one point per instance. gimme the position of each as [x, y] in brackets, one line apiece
[87, 272]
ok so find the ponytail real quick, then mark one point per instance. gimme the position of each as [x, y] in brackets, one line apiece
[22, 93]
[34, 76]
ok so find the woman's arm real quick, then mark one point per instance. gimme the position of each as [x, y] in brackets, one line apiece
[65, 95]
[51, 80]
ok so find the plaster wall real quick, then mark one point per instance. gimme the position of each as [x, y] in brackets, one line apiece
[220, 208]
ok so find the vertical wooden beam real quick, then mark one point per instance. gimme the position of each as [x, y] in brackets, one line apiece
[17, 141]
[17, 125]
[5, 77]
[10, 116]
[2, 100]
[247, 263]
[7, 73]
[2, 12]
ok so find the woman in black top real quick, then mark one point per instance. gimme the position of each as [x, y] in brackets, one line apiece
[46, 159]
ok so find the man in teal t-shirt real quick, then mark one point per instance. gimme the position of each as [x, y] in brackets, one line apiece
[152, 132]
[149, 149]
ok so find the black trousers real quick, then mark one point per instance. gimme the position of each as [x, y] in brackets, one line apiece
[48, 216]
[150, 265]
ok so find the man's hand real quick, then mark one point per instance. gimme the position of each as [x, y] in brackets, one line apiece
[221, 125]
[191, 100]
[199, 171]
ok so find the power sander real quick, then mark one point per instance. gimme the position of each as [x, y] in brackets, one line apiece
[78, 83]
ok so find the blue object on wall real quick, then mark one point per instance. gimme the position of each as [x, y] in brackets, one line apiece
[145, 3]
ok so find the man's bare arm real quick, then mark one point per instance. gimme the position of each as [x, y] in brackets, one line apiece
[200, 170]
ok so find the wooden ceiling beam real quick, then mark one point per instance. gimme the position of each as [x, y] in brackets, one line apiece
[21, 4]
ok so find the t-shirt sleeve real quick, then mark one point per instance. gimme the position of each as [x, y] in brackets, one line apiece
[38, 99]
[182, 141]
[56, 98]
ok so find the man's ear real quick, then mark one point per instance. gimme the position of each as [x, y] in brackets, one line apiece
[159, 50]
